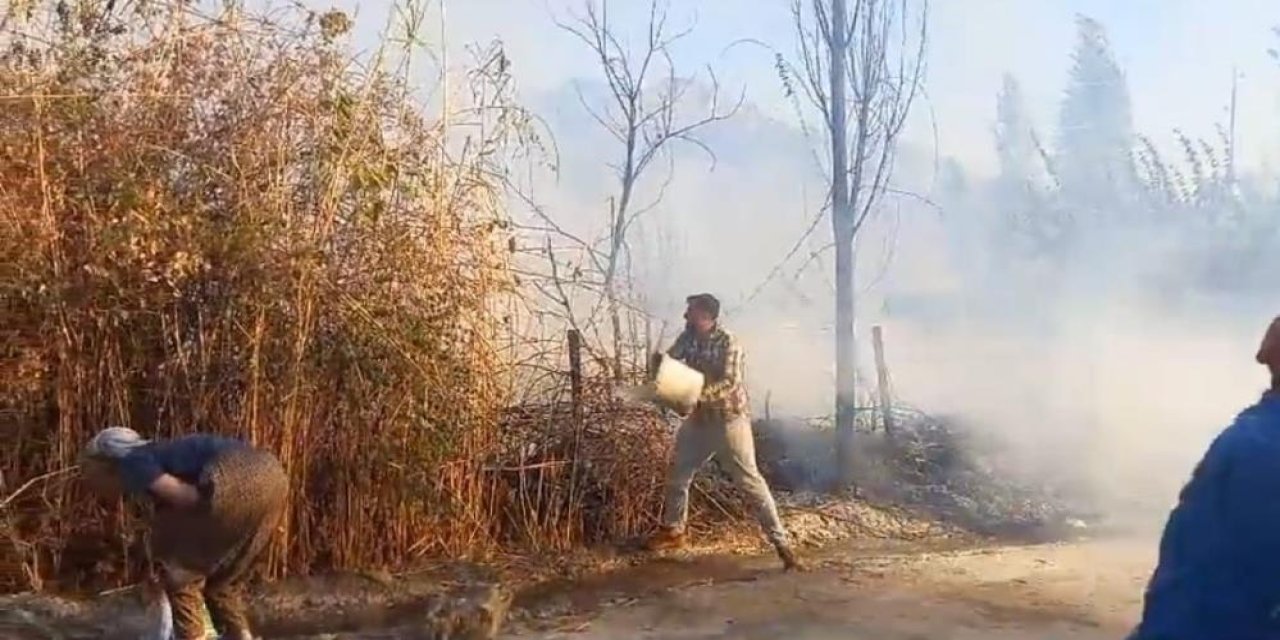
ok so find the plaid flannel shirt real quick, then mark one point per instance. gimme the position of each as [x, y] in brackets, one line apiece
[721, 359]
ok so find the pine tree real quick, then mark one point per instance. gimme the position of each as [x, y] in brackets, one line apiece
[1022, 190]
[1015, 137]
[1094, 161]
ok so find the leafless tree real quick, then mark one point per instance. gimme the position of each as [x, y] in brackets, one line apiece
[647, 107]
[861, 65]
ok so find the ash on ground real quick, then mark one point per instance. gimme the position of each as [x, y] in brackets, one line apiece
[933, 466]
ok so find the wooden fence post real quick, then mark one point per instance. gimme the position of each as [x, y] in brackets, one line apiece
[882, 380]
[648, 347]
[575, 374]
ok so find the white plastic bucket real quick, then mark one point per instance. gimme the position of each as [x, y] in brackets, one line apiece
[675, 385]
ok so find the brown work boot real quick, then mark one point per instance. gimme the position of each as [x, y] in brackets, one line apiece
[789, 560]
[665, 539]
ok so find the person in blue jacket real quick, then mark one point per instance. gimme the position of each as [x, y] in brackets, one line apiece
[1218, 575]
[218, 501]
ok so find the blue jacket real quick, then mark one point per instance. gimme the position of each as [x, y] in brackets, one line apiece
[1218, 577]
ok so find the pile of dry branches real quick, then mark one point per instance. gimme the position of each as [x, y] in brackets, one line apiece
[592, 472]
[936, 466]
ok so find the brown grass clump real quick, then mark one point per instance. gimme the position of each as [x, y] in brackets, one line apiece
[224, 223]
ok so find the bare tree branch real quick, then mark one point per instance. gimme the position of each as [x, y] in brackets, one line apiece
[645, 112]
[795, 248]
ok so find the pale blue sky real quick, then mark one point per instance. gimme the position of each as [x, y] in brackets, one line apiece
[1178, 55]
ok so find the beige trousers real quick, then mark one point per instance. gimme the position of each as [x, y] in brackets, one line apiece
[730, 443]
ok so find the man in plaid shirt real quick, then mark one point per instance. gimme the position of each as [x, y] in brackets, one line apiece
[719, 426]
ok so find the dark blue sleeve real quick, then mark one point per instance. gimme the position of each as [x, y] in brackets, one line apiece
[1250, 540]
[138, 470]
[1196, 584]
[1252, 499]
[1194, 525]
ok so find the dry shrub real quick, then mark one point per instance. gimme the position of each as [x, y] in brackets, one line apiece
[596, 476]
[225, 224]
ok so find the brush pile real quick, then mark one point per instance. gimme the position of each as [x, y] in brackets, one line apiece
[933, 465]
[965, 477]
[594, 476]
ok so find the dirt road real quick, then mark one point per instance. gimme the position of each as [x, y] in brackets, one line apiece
[854, 591]
[1077, 591]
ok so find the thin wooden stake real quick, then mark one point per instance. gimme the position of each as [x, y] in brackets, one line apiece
[575, 375]
[882, 379]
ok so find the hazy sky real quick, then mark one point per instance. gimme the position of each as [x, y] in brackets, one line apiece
[1178, 55]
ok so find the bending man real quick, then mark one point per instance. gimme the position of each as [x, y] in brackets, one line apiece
[719, 426]
[217, 503]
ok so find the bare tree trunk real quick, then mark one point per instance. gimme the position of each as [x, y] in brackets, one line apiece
[882, 381]
[846, 363]
[842, 222]
[616, 215]
[866, 55]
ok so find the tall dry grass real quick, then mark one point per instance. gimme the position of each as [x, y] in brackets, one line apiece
[222, 222]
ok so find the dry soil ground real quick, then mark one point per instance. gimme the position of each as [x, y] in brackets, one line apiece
[867, 590]
[1071, 591]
